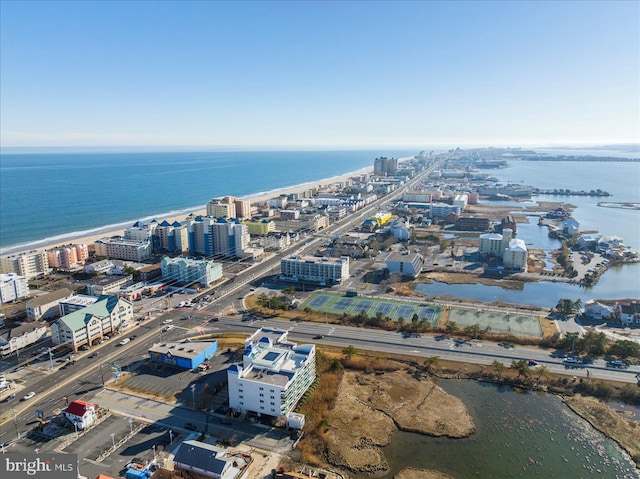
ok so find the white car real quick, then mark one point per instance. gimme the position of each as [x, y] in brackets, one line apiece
[167, 328]
[167, 321]
[28, 396]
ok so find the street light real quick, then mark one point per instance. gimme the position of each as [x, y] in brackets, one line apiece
[170, 436]
[50, 360]
[113, 441]
[154, 452]
[131, 425]
[15, 421]
[193, 395]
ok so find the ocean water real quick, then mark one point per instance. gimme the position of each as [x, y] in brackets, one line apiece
[53, 195]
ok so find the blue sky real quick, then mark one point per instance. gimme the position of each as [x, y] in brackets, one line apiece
[319, 74]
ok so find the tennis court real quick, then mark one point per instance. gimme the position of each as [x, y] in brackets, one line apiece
[405, 312]
[337, 304]
[499, 321]
[318, 301]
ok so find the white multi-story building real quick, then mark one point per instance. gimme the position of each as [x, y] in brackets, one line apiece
[461, 201]
[187, 270]
[406, 264]
[29, 264]
[274, 375]
[441, 210]
[515, 256]
[108, 314]
[118, 247]
[494, 244]
[12, 287]
[317, 270]
[141, 231]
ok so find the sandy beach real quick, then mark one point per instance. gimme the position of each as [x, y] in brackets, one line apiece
[90, 238]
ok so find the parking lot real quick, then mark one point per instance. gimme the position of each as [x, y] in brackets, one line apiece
[172, 384]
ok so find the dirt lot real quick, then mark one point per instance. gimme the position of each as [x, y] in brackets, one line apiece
[370, 407]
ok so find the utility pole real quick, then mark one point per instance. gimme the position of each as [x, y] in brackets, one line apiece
[193, 395]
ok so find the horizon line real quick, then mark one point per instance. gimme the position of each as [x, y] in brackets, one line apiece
[79, 148]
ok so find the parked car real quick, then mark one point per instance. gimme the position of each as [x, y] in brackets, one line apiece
[167, 321]
[28, 396]
[167, 328]
[533, 362]
[318, 336]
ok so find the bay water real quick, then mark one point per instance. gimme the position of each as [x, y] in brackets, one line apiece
[519, 435]
[621, 179]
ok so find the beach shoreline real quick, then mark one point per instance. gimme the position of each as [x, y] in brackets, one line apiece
[91, 236]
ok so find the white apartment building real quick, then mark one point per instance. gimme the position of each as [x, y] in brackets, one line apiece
[141, 231]
[107, 315]
[20, 337]
[118, 247]
[494, 244]
[313, 269]
[29, 264]
[12, 287]
[274, 375]
[186, 270]
[441, 210]
[515, 256]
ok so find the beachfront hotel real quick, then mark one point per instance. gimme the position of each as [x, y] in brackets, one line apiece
[323, 271]
[173, 237]
[274, 375]
[217, 237]
[107, 315]
[29, 264]
[67, 257]
[118, 247]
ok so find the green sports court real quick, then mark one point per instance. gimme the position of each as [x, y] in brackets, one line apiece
[338, 304]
